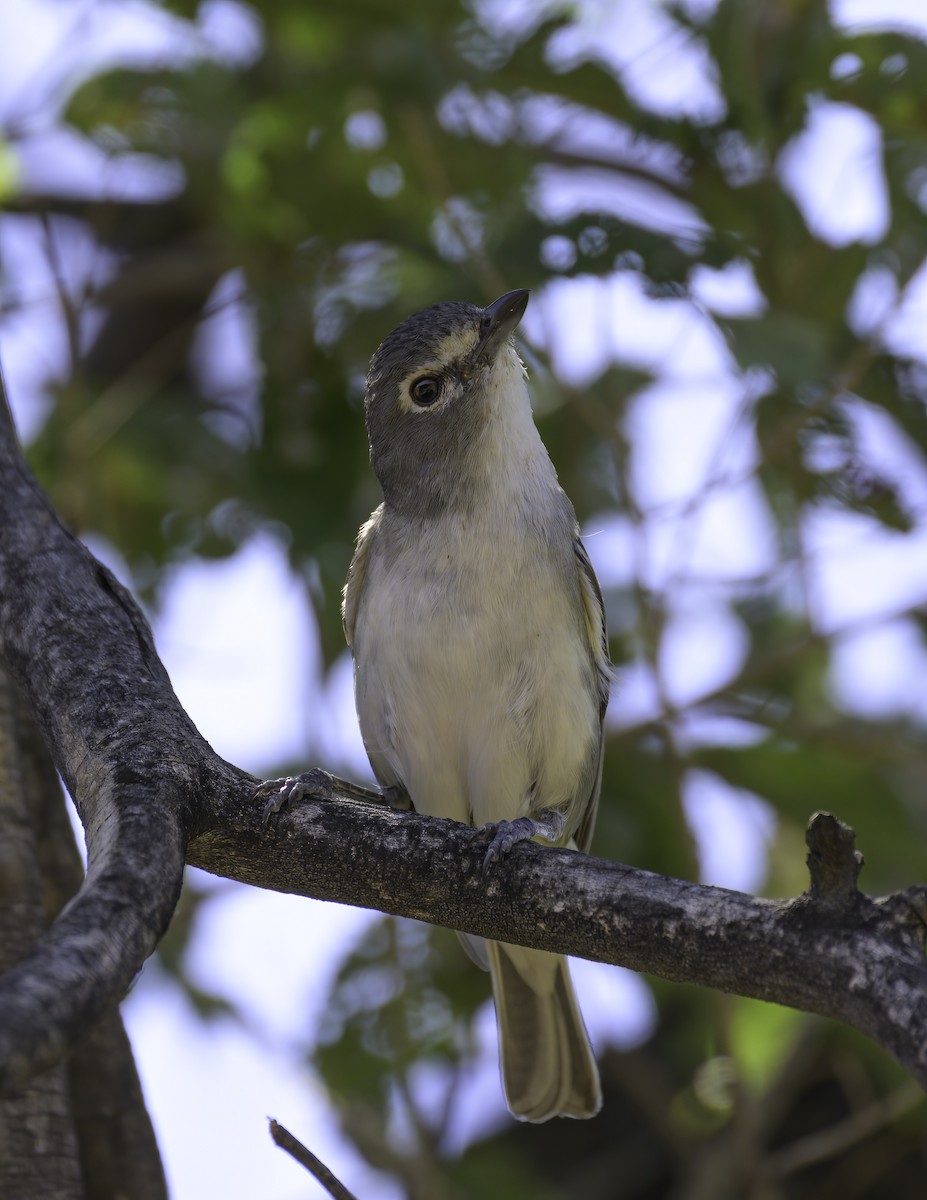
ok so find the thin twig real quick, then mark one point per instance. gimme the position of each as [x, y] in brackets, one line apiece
[828, 1143]
[306, 1158]
[69, 311]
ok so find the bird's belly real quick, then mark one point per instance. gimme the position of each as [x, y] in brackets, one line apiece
[474, 689]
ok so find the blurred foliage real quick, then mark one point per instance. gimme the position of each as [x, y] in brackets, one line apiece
[369, 158]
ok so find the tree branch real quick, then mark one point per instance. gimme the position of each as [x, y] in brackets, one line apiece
[861, 962]
[82, 654]
[115, 1143]
[150, 791]
[38, 1145]
[285, 1140]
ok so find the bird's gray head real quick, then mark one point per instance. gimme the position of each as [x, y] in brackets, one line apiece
[438, 386]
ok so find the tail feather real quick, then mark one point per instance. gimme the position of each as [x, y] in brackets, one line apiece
[548, 1068]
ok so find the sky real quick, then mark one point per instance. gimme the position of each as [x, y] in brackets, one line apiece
[211, 1087]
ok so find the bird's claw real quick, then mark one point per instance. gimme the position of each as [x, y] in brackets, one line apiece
[290, 789]
[322, 785]
[505, 835]
[549, 825]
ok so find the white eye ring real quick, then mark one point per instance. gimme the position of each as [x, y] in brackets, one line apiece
[426, 390]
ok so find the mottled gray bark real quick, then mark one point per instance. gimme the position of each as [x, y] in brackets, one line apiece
[104, 705]
[80, 1129]
[38, 1146]
[831, 951]
[151, 791]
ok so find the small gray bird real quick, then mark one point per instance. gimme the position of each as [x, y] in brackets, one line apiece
[481, 667]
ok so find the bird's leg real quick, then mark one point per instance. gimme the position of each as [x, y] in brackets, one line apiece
[322, 785]
[549, 824]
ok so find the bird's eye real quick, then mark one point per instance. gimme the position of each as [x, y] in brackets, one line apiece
[426, 390]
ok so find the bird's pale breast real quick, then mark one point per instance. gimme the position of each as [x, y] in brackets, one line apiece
[473, 672]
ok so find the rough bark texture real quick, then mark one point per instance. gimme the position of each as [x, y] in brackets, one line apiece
[116, 1145]
[38, 1147]
[845, 956]
[104, 704]
[82, 1128]
[150, 791]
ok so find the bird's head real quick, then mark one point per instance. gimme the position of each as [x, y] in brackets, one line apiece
[444, 391]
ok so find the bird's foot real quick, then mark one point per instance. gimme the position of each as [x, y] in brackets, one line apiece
[322, 785]
[290, 789]
[506, 834]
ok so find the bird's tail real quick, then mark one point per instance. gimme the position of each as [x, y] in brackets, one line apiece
[548, 1069]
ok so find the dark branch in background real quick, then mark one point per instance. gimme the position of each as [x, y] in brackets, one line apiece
[827, 1143]
[150, 790]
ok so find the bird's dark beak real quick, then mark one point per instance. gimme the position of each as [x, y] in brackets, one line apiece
[498, 321]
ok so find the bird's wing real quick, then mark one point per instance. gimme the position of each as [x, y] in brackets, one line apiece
[594, 614]
[354, 584]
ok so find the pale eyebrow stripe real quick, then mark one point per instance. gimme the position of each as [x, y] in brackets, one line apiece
[453, 346]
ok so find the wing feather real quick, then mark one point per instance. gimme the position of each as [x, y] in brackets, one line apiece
[354, 585]
[594, 614]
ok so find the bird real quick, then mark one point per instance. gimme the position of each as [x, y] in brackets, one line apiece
[480, 651]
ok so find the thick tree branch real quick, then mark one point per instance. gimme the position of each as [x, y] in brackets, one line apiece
[115, 1144]
[82, 654]
[150, 790]
[38, 1145]
[861, 961]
